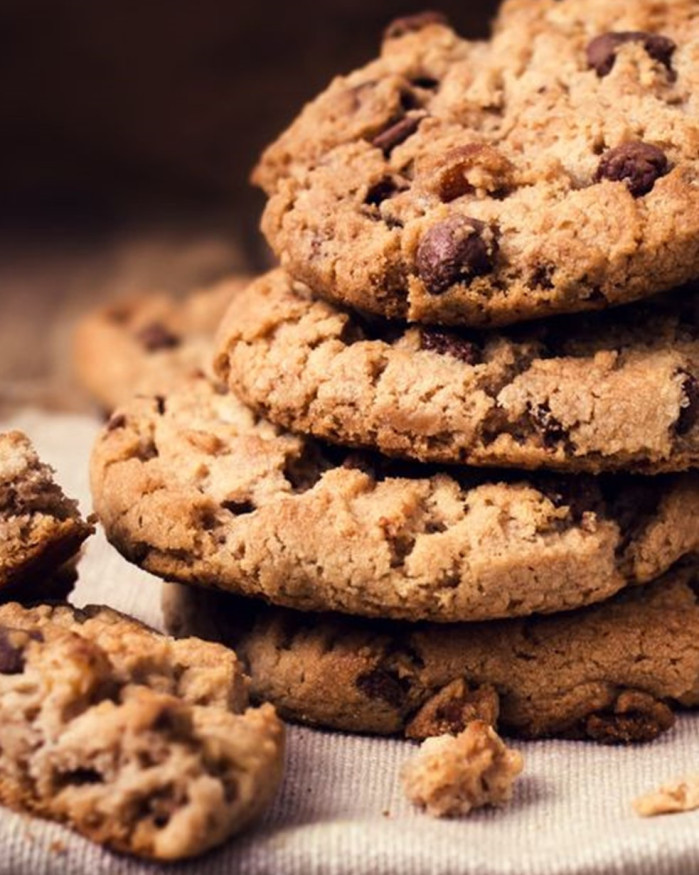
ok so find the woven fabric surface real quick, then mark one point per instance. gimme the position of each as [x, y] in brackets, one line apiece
[341, 810]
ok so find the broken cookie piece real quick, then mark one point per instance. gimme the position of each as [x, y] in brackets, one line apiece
[451, 775]
[40, 529]
[678, 796]
[136, 741]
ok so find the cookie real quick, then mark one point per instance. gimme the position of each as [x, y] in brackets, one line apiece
[606, 673]
[40, 529]
[552, 171]
[137, 741]
[148, 343]
[452, 775]
[605, 391]
[195, 488]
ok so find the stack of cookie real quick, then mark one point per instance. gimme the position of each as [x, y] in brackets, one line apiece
[468, 401]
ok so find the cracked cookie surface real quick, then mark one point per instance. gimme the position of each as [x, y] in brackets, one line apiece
[551, 170]
[137, 741]
[40, 528]
[195, 488]
[606, 673]
[603, 391]
[148, 343]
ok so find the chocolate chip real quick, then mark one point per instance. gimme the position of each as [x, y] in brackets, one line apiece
[602, 51]
[580, 494]
[449, 343]
[551, 429]
[689, 415]
[117, 421]
[411, 23]
[425, 82]
[384, 685]
[156, 336]
[637, 164]
[239, 508]
[542, 277]
[12, 649]
[454, 251]
[397, 133]
[381, 191]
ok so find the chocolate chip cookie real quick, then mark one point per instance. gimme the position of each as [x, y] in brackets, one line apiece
[551, 170]
[195, 488]
[40, 529]
[612, 390]
[136, 741]
[148, 343]
[607, 673]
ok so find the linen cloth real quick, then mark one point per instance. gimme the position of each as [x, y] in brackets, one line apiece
[341, 810]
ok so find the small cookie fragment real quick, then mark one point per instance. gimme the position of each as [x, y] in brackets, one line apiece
[136, 741]
[40, 529]
[452, 775]
[678, 796]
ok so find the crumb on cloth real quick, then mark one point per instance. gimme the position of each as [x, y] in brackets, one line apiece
[451, 775]
[672, 798]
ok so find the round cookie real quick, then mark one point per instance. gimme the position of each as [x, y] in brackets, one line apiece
[605, 391]
[195, 488]
[554, 170]
[41, 530]
[137, 741]
[605, 673]
[148, 344]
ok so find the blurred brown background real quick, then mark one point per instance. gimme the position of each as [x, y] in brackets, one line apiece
[130, 129]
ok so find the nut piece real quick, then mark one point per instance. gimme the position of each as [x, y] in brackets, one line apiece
[682, 795]
[451, 775]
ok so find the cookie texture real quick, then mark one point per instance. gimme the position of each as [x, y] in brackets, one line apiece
[194, 488]
[607, 673]
[551, 170]
[137, 741]
[148, 343]
[40, 529]
[452, 775]
[604, 391]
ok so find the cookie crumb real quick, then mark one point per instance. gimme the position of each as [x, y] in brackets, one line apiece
[681, 795]
[451, 775]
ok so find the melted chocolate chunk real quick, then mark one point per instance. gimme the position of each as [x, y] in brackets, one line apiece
[551, 429]
[637, 164]
[602, 51]
[411, 23]
[454, 251]
[689, 414]
[384, 685]
[397, 133]
[156, 336]
[117, 421]
[580, 494]
[11, 651]
[449, 343]
[382, 191]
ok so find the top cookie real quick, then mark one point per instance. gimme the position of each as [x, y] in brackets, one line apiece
[147, 344]
[552, 170]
